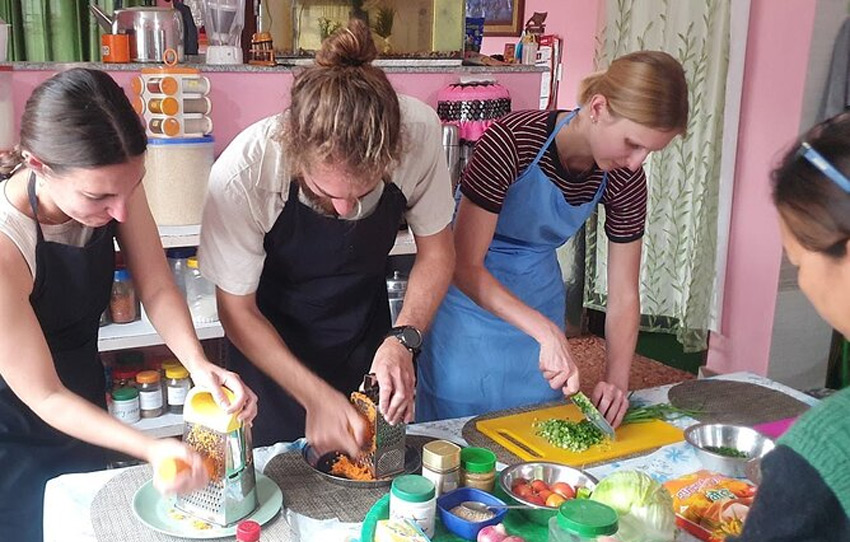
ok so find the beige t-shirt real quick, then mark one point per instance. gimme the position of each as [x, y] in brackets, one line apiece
[249, 186]
[21, 230]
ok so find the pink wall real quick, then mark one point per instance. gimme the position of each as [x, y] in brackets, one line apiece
[575, 22]
[774, 79]
[242, 98]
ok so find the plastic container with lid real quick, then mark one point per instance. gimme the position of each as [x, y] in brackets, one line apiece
[125, 404]
[414, 497]
[122, 304]
[582, 520]
[178, 384]
[441, 465]
[150, 394]
[200, 295]
[124, 377]
[478, 468]
[248, 531]
[178, 171]
[178, 261]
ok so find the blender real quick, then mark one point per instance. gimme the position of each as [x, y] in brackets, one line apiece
[224, 21]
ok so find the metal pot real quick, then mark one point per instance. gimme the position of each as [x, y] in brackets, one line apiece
[152, 31]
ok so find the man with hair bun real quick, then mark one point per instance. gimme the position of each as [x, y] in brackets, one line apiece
[303, 210]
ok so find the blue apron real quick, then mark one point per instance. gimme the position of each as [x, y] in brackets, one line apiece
[474, 362]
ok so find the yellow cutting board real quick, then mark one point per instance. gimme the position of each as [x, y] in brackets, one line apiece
[516, 433]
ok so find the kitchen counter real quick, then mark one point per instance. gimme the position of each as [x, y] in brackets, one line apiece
[68, 498]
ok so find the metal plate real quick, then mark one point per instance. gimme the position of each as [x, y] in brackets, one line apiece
[322, 465]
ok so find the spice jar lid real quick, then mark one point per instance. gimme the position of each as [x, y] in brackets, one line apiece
[122, 275]
[147, 377]
[192, 262]
[176, 372]
[125, 394]
[413, 488]
[248, 531]
[477, 460]
[441, 455]
[587, 518]
[168, 363]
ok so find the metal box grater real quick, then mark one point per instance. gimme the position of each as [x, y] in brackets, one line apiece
[387, 457]
[226, 448]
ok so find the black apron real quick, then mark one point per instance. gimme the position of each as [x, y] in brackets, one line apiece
[71, 289]
[323, 288]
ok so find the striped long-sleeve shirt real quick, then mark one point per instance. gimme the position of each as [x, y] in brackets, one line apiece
[509, 146]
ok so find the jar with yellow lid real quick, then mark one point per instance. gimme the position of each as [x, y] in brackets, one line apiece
[177, 384]
[441, 465]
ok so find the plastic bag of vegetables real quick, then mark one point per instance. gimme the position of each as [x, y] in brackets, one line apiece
[644, 505]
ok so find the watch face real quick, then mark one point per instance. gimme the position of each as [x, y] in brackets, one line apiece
[411, 337]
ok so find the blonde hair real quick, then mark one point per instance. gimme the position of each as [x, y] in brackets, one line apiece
[344, 111]
[646, 87]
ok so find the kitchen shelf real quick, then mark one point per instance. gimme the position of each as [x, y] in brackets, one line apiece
[167, 425]
[140, 333]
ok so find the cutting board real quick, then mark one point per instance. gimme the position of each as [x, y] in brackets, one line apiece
[515, 432]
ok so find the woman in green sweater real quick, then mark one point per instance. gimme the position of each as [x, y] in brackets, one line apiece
[805, 490]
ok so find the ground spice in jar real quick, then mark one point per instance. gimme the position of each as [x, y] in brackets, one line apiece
[150, 394]
[122, 304]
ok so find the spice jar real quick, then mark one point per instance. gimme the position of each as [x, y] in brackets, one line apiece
[178, 384]
[582, 520]
[124, 377]
[414, 497]
[150, 394]
[122, 304]
[441, 465]
[125, 404]
[478, 468]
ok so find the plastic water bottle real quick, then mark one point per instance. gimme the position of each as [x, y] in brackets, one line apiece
[200, 295]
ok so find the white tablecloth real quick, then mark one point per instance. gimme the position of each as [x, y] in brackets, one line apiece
[68, 498]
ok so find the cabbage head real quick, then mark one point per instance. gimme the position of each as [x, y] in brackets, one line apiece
[645, 506]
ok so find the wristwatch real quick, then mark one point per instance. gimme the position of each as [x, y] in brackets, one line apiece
[408, 336]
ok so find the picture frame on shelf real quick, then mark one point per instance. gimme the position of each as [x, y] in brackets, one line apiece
[501, 17]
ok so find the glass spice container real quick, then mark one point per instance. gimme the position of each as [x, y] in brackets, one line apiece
[125, 404]
[178, 384]
[150, 394]
[123, 377]
[122, 304]
[478, 468]
[441, 465]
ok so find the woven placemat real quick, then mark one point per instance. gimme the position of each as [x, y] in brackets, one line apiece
[113, 519]
[308, 493]
[739, 403]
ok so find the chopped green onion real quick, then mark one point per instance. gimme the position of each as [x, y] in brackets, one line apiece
[572, 436]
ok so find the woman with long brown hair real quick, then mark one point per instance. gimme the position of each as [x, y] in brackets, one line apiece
[535, 177]
[72, 190]
[303, 210]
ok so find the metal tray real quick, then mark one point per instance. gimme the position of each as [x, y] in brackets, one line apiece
[322, 465]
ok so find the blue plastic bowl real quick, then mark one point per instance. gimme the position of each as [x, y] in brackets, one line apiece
[459, 526]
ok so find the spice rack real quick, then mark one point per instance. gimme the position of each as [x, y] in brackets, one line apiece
[173, 102]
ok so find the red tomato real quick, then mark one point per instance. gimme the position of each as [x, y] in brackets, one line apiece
[536, 499]
[518, 482]
[524, 491]
[564, 489]
[545, 494]
[555, 500]
[539, 485]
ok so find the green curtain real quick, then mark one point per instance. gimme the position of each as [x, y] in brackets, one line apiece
[53, 30]
[680, 244]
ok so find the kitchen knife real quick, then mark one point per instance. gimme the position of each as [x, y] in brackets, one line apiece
[592, 414]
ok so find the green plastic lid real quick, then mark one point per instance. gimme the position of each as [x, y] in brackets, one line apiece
[477, 460]
[125, 394]
[413, 488]
[587, 518]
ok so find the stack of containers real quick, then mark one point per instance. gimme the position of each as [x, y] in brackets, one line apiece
[174, 107]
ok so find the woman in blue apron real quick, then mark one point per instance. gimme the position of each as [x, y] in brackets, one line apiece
[498, 339]
[72, 189]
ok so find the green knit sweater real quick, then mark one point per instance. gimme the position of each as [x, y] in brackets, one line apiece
[822, 437]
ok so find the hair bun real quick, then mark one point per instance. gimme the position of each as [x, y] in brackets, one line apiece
[351, 46]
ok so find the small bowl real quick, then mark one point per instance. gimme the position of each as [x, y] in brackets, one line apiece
[549, 473]
[459, 526]
[720, 435]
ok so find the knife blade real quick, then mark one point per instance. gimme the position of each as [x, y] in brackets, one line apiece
[592, 414]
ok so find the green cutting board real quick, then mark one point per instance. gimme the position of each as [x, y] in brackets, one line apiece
[515, 523]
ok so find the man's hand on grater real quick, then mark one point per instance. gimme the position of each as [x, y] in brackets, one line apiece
[393, 366]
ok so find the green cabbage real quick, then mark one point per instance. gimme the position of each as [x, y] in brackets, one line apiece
[645, 506]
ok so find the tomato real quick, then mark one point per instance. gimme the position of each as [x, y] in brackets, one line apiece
[539, 485]
[518, 482]
[536, 499]
[545, 494]
[564, 489]
[524, 491]
[555, 500]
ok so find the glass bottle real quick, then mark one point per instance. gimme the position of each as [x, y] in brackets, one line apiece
[150, 394]
[178, 259]
[122, 304]
[441, 465]
[177, 384]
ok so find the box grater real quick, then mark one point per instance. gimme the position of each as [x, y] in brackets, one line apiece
[226, 448]
[386, 455]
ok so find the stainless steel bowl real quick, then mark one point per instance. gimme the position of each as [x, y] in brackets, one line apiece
[719, 435]
[549, 473]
